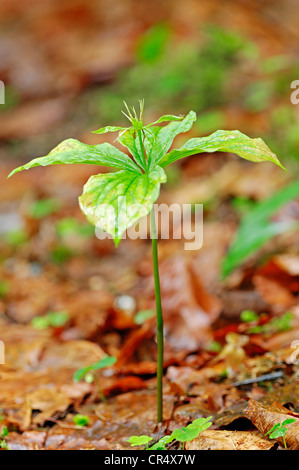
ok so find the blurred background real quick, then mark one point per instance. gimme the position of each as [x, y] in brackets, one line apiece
[67, 66]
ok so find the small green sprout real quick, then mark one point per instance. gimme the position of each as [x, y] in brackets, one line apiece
[3, 444]
[279, 430]
[184, 435]
[214, 346]
[81, 420]
[70, 226]
[87, 373]
[275, 325]
[43, 208]
[161, 444]
[248, 316]
[52, 319]
[140, 441]
[4, 288]
[142, 316]
[16, 238]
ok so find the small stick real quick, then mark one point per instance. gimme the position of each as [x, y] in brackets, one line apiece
[261, 378]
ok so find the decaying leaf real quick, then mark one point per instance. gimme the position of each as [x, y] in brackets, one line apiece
[230, 440]
[264, 417]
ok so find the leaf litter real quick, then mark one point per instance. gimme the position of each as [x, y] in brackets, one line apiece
[38, 398]
[41, 363]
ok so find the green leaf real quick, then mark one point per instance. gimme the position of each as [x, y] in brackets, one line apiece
[288, 421]
[276, 426]
[4, 288]
[248, 316]
[256, 227]
[152, 43]
[72, 151]
[81, 420]
[167, 117]
[139, 440]
[185, 434]
[106, 361]
[161, 444]
[44, 207]
[4, 445]
[70, 226]
[201, 424]
[279, 432]
[160, 142]
[254, 150]
[115, 201]
[129, 140]
[143, 315]
[156, 140]
[4, 431]
[57, 319]
[106, 129]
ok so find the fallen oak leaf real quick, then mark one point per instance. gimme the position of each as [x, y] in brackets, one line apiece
[264, 417]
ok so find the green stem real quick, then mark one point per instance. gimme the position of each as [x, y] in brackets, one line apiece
[160, 333]
[101, 393]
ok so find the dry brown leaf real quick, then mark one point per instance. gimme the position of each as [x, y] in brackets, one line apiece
[48, 402]
[277, 284]
[71, 354]
[264, 417]
[129, 414]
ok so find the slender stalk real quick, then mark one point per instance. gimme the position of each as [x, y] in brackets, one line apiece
[101, 393]
[159, 316]
[160, 335]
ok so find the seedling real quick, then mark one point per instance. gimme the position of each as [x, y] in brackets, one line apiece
[192, 431]
[275, 325]
[142, 316]
[52, 319]
[4, 433]
[279, 430]
[185, 434]
[4, 288]
[43, 207]
[248, 316]
[87, 373]
[116, 201]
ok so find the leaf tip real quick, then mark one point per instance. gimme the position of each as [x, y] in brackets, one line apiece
[117, 241]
